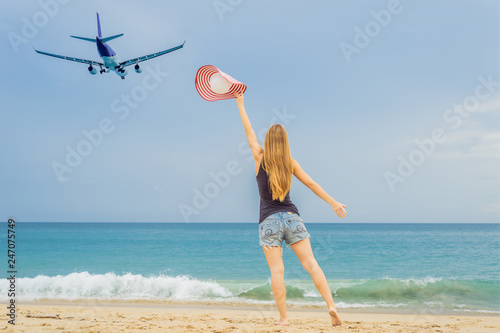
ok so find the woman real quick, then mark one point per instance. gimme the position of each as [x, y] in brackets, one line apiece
[279, 217]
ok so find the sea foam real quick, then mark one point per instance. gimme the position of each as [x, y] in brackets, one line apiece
[84, 285]
[435, 294]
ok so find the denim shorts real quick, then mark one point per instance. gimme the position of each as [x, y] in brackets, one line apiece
[279, 226]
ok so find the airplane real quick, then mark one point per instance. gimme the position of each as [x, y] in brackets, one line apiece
[111, 62]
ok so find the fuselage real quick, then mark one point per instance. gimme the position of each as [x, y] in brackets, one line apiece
[109, 57]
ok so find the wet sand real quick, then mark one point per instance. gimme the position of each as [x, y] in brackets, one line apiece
[151, 316]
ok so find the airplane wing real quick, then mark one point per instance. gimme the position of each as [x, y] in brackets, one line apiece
[83, 61]
[149, 56]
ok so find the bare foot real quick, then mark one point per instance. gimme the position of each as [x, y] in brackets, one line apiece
[335, 317]
[281, 322]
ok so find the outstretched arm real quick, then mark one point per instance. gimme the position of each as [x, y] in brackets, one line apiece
[311, 184]
[257, 150]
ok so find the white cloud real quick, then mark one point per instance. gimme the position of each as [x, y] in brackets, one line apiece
[489, 105]
[470, 144]
[492, 208]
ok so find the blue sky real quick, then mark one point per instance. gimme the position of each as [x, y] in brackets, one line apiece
[392, 107]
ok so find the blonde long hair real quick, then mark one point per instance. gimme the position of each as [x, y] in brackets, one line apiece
[277, 161]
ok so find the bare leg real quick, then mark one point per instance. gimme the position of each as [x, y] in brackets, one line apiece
[275, 261]
[304, 252]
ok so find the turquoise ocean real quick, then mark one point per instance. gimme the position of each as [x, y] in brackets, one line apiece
[442, 268]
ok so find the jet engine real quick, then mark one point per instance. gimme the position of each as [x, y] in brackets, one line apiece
[92, 70]
[138, 68]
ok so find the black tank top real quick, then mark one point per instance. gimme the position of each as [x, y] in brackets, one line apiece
[268, 206]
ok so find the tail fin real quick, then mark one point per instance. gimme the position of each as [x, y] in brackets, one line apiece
[104, 40]
[98, 27]
[107, 39]
[99, 34]
[84, 38]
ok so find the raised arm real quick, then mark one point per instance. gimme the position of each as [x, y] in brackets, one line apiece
[313, 186]
[257, 150]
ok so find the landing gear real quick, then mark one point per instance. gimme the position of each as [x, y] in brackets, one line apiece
[101, 70]
[122, 72]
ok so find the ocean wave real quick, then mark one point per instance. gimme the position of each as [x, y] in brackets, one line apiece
[425, 290]
[84, 285]
[433, 294]
[264, 292]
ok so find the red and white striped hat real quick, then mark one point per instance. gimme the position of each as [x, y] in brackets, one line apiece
[213, 84]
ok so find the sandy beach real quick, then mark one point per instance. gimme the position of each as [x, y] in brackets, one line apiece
[149, 316]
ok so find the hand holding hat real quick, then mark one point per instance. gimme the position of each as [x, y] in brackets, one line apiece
[239, 97]
[213, 85]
